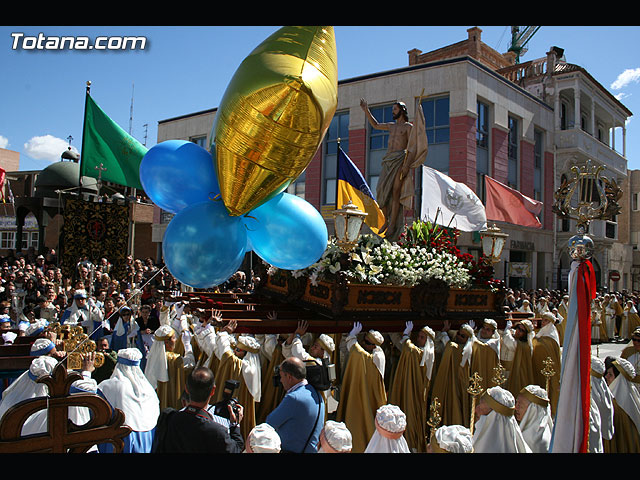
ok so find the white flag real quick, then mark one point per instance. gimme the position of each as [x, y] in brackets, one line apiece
[456, 204]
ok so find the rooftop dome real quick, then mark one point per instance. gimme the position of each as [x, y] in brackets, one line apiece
[61, 176]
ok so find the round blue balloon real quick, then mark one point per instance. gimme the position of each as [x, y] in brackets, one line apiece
[178, 173]
[287, 232]
[203, 246]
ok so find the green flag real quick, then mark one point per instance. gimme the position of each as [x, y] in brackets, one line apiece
[108, 151]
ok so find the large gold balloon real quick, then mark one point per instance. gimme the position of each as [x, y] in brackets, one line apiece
[274, 115]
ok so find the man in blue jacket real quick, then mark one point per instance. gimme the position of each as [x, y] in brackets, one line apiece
[300, 416]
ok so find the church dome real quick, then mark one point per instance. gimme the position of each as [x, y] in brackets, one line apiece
[62, 176]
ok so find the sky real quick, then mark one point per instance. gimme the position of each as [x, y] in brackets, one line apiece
[186, 69]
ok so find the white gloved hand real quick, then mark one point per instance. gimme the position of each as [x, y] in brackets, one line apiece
[9, 337]
[357, 328]
[408, 328]
[186, 338]
[508, 325]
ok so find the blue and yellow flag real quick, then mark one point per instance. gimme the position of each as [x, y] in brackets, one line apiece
[352, 186]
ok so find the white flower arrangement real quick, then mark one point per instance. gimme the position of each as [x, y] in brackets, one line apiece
[376, 261]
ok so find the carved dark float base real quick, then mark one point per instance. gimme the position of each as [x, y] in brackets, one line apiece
[332, 307]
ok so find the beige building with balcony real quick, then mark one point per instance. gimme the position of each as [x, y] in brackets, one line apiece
[589, 125]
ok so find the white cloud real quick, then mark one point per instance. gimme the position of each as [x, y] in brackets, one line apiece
[625, 78]
[4, 142]
[46, 147]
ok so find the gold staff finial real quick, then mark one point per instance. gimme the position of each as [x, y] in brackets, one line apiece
[548, 371]
[499, 378]
[434, 417]
[475, 389]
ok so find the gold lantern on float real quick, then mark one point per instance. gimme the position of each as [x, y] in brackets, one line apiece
[348, 222]
[493, 240]
[274, 115]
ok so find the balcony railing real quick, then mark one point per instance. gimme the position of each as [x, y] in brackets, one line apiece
[585, 144]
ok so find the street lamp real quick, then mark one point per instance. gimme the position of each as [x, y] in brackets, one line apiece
[493, 240]
[348, 222]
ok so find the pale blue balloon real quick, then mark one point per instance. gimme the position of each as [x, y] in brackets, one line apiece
[203, 246]
[178, 173]
[287, 232]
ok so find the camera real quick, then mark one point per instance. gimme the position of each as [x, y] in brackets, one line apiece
[222, 407]
[319, 377]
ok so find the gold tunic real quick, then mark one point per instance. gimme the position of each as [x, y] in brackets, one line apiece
[271, 395]
[626, 438]
[521, 373]
[409, 391]
[169, 392]
[450, 387]
[562, 310]
[361, 394]
[484, 360]
[543, 348]
[230, 368]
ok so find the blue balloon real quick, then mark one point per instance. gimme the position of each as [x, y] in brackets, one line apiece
[287, 232]
[178, 173]
[203, 245]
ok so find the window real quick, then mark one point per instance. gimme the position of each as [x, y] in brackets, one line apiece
[482, 148]
[482, 126]
[338, 130]
[563, 116]
[200, 141]
[30, 239]
[436, 117]
[537, 165]
[297, 187]
[8, 240]
[634, 201]
[512, 174]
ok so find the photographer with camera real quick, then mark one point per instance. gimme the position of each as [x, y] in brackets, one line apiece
[319, 354]
[239, 360]
[300, 416]
[193, 429]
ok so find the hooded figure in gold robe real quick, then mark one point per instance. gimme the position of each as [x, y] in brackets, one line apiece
[410, 387]
[630, 320]
[167, 370]
[240, 363]
[362, 391]
[622, 380]
[452, 378]
[563, 308]
[546, 345]
[520, 367]
[486, 353]
[272, 395]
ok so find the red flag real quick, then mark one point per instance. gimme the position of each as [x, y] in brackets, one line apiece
[2, 178]
[505, 204]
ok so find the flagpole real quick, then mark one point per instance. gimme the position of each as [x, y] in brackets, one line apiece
[84, 122]
[337, 171]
